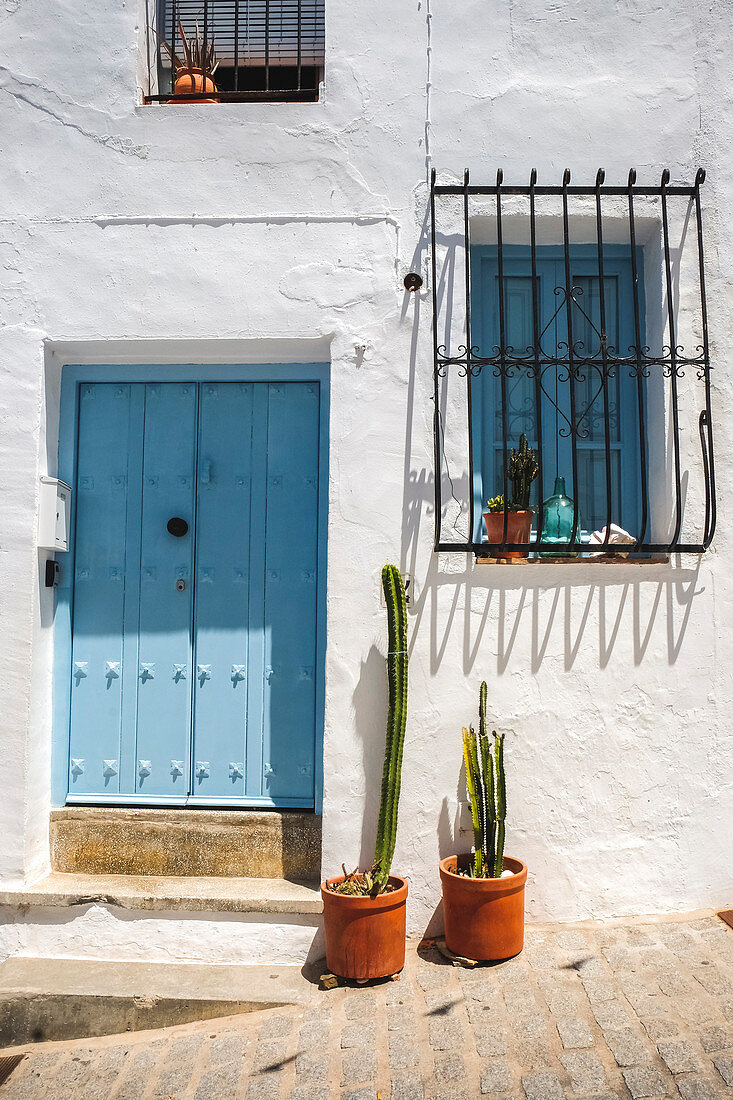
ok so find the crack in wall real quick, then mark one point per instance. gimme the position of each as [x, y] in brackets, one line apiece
[117, 144]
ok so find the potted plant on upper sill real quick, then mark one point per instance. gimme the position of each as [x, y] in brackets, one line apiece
[521, 471]
[483, 892]
[364, 912]
[198, 59]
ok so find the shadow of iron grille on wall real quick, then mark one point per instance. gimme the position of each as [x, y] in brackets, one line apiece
[265, 49]
[575, 316]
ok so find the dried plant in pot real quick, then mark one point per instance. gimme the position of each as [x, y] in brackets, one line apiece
[483, 891]
[364, 912]
[521, 472]
[194, 70]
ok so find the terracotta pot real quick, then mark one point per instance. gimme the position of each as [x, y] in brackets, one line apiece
[365, 937]
[190, 82]
[518, 527]
[484, 917]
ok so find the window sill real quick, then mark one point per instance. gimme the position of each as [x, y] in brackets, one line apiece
[589, 559]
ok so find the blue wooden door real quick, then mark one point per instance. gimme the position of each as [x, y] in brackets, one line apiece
[194, 651]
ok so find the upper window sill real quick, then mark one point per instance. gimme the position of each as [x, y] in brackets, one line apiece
[304, 96]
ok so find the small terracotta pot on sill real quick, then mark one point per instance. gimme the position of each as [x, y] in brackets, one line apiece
[484, 917]
[191, 82]
[365, 937]
[518, 527]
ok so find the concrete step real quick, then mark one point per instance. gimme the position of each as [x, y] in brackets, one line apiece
[43, 999]
[211, 894]
[105, 840]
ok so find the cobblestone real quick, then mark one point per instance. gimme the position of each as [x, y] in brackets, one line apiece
[444, 1034]
[626, 1047]
[312, 1066]
[679, 1056]
[533, 1055]
[574, 1032]
[491, 1042]
[269, 1055]
[360, 1006]
[644, 1081]
[276, 1027]
[307, 1092]
[496, 1077]
[695, 1087]
[407, 1087]
[660, 1027]
[357, 1035]
[358, 1065]
[530, 1026]
[450, 1066]
[715, 1038]
[610, 1015]
[585, 1069]
[724, 1066]
[219, 1082]
[313, 1034]
[641, 994]
[401, 1018]
[403, 1050]
[542, 1086]
[263, 1088]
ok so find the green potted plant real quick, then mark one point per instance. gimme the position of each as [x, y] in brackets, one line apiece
[521, 471]
[364, 912]
[483, 891]
[194, 71]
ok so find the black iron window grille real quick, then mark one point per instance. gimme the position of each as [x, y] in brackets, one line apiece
[264, 49]
[563, 313]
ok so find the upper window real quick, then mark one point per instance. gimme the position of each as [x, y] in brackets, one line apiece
[230, 50]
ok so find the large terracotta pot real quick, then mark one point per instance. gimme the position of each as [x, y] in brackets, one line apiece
[365, 937]
[191, 82]
[518, 527]
[484, 917]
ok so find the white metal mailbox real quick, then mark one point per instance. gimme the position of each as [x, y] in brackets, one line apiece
[54, 507]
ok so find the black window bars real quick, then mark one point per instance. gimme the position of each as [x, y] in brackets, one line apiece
[641, 218]
[266, 49]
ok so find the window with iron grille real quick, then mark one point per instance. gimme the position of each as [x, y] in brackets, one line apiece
[576, 317]
[261, 50]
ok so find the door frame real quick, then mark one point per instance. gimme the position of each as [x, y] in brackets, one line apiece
[72, 378]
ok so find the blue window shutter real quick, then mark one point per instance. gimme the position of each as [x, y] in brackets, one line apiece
[521, 403]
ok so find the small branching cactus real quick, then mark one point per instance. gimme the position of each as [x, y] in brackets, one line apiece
[487, 794]
[521, 471]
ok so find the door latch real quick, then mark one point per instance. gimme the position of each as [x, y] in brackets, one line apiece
[180, 585]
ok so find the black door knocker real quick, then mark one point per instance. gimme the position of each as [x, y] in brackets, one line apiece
[177, 527]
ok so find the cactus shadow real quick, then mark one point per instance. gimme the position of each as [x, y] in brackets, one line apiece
[370, 717]
[450, 843]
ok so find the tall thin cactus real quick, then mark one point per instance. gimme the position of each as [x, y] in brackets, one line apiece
[394, 594]
[486, 792]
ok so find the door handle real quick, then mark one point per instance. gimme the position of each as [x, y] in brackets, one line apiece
[206, 472]
[177, 527]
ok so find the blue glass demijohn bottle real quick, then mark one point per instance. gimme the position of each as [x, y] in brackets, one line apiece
[558, 513]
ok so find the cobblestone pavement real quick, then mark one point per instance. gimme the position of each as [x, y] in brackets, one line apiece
[633, 1009]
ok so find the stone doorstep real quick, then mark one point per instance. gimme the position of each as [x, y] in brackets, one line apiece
[175, 841]
[45, 999]
[213, 894]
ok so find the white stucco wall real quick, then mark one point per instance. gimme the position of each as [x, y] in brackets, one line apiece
[244, 232]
